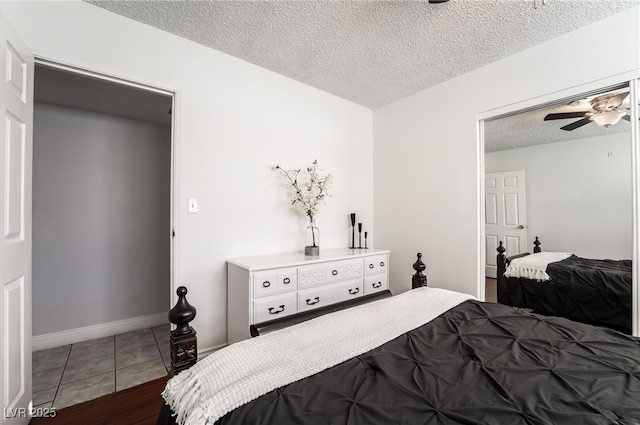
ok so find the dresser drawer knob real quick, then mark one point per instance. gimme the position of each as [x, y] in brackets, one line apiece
[381, 263]
[286, 280]
[354, 291]
[376, 284]
[266, 283]
[334, 272]
[371, 266]
[316, 300]
[272, 310]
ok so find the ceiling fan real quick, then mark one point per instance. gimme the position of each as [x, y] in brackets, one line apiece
[606, 110]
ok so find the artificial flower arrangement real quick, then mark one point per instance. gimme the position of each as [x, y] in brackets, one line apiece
[307, 190]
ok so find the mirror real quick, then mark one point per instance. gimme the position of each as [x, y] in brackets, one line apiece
[562, 172]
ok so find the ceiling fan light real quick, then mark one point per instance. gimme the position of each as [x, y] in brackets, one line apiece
[607, 119]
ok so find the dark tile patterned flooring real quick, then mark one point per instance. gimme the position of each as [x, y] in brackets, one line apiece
[71, 374]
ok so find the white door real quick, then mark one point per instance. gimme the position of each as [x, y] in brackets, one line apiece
[505, 215]
[16, 125]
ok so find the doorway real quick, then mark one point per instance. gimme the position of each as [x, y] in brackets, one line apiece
[102, 205]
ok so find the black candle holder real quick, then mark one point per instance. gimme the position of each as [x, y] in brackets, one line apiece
[359, 235]
[353, 231]
[365, 241]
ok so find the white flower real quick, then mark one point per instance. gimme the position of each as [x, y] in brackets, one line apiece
[307, 191]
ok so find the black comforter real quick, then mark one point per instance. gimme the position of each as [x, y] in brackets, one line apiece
[587, 290]
[478, 363]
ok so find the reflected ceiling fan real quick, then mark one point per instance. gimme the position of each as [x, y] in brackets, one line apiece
[606, 110]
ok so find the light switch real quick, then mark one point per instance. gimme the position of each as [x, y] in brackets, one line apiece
[193, 206]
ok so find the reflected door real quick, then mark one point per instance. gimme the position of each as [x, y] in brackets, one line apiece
[505, 215]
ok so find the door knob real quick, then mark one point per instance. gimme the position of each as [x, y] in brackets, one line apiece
[522, 226]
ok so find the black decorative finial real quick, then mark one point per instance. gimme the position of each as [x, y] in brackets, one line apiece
[536, 247]
[418, 279]
[182, 313]
[501, 261]
[183, 343]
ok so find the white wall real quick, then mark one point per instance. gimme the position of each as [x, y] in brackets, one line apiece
[426, 152]
[234, 121]
[101, 187]
[578, 196]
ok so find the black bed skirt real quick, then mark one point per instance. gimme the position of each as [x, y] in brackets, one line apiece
[165, 417]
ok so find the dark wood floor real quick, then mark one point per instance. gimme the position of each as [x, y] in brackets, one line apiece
[490, 290]
[135, 406]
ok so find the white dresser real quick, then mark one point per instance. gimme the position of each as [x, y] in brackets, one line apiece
[268, 287]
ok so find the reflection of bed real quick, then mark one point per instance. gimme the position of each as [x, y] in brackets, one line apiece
[475, 363]
[586, 290]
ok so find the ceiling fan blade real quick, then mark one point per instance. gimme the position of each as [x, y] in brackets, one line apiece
[564, 115]
[576, 124]
[626, 103]
[616, 101]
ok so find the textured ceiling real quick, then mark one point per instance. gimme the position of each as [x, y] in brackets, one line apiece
[369, 52]
[528, 128]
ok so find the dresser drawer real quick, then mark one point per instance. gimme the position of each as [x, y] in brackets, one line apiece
[274, 282]
[346, 270]
[376, 283]
[334, 271]
[329, 294]
[274, 307]
[375, 265]
[311, 275]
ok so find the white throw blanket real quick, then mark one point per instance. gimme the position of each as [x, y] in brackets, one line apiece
[242, 372]
[534, 266]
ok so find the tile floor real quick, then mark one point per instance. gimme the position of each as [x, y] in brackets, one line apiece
[75, 373]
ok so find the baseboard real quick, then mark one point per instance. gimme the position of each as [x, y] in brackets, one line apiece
[72, 336]
[204, 352]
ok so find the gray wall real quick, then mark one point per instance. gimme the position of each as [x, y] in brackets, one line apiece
[578, 196]
[101, 203]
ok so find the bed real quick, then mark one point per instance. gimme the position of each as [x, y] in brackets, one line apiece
[445, 358]
[586, 290]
